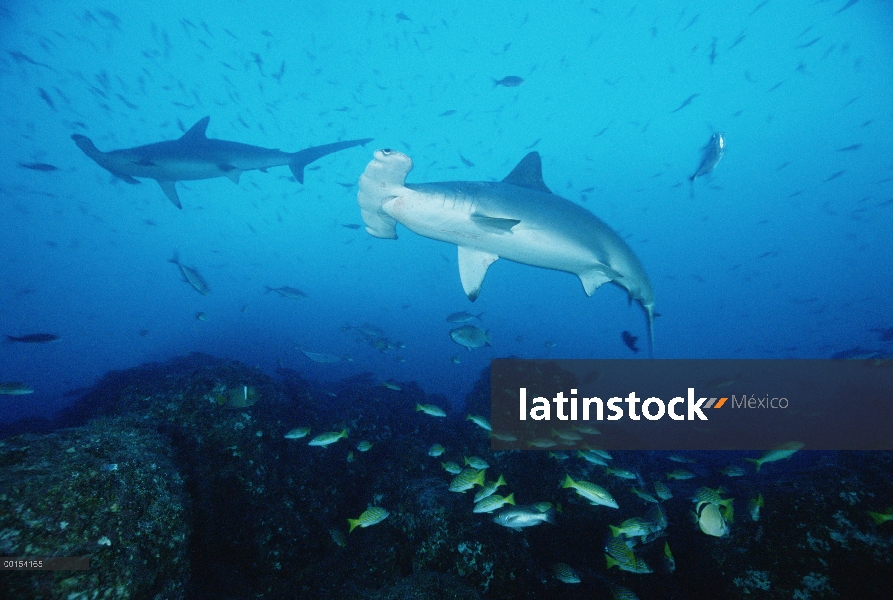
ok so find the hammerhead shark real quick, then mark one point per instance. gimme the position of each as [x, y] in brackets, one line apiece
[196, 156]
[518, 219]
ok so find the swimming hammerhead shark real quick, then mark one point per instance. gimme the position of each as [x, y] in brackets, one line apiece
[518, 219]
[196, 156]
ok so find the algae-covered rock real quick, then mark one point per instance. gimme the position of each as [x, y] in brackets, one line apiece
[107, 490]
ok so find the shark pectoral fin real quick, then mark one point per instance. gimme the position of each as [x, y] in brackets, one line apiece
[168, 186]
[595, 277]
[494, 224]
[529, 174]
[124, 177]
[230, 171]
[473, 265]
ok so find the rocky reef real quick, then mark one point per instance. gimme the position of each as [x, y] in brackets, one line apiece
[176, 490]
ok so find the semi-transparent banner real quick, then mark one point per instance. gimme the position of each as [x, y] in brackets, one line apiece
[692, 404]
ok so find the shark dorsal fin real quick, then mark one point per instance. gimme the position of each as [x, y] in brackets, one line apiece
[529, 173]
[197, 131]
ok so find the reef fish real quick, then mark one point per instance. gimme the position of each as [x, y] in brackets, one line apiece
[518, 517]
[371, 516]
[710, 520]
[14, 388]
[782, 452]
[33, 338]
[510, 81]
[191, 276]
[330, 437]
[470, 337]
[713, 153]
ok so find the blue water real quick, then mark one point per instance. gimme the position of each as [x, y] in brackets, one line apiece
[770, 257]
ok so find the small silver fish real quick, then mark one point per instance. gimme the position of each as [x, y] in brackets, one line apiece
[320, 357]
[510, 81]
[470, 337]
[463, 317]
[518, 517]
[287, 292]
[713, 153]
[15, 388]
[191, 276]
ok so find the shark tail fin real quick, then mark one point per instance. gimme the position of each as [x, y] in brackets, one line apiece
[87, 145]
[302, 158]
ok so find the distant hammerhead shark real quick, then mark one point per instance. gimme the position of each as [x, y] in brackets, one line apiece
[196, 156]
[518, 219]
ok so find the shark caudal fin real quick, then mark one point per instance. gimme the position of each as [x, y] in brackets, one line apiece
[90, 149]
[302, 158]
[384, 178]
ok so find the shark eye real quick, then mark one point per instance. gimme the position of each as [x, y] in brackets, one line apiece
[386, 151]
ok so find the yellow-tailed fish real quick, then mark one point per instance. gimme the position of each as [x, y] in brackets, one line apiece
[662, 491]
[883, 517]
[596, 494]
[371, 516]
[476, 462]
[489, 489]
[779, 453]
[431, 409]
[466, 479]
[297, 433]
[330, 437]
[436, 450]
[480, 421]
[491, 503]
[451, 467]
[564, 573]
[754, 505]
[669, 561]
